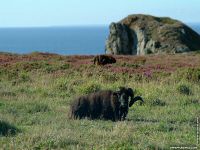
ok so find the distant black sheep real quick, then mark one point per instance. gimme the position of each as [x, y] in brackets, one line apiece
[107, 104]
[104, 59]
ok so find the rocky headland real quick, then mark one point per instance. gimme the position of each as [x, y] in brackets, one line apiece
[145, 34]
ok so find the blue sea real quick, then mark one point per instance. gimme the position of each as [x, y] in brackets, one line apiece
[60, 40]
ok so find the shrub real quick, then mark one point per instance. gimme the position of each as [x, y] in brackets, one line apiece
[7, 129]
[184, 89]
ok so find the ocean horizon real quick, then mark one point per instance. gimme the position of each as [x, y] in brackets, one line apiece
[78, 40]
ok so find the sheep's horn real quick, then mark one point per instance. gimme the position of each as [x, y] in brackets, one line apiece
[135, 99]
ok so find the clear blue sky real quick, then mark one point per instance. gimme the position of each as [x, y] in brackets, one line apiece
[22, 13]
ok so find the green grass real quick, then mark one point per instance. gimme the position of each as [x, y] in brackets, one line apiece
[34, 104]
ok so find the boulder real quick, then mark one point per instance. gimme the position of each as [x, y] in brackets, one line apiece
[144, 34]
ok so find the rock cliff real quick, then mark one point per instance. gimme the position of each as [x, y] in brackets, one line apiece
[144, 34]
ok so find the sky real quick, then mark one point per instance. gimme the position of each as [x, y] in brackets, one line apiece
[39, 13]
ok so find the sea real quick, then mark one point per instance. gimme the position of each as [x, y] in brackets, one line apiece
[85, 40]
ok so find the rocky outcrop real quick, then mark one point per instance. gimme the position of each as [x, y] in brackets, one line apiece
[119, 40]
[144, 34]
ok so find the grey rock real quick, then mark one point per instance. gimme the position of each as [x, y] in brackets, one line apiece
[144, 34]
[118, 42]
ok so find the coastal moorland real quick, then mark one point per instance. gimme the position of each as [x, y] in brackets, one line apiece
[36, 90]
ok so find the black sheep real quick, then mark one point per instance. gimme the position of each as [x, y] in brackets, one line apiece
[107, 104]
[104, 59]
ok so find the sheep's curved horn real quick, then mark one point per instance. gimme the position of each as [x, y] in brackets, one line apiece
[135, 99]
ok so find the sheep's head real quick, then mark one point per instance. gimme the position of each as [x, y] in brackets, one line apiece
[126, 99]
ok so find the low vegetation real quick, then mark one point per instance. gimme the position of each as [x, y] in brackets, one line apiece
[36, 89]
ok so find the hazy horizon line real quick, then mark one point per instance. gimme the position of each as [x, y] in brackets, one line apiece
[58, 26]
[76, 25]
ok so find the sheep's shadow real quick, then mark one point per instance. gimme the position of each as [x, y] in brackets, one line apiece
[6, 129]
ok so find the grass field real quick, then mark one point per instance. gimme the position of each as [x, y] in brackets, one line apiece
[36, 89]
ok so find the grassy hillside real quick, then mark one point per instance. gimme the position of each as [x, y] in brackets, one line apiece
[36, 89]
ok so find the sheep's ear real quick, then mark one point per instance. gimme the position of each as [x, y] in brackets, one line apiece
[130, 92]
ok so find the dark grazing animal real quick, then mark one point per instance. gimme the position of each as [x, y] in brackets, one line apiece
[104, 59]
[107, 104]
